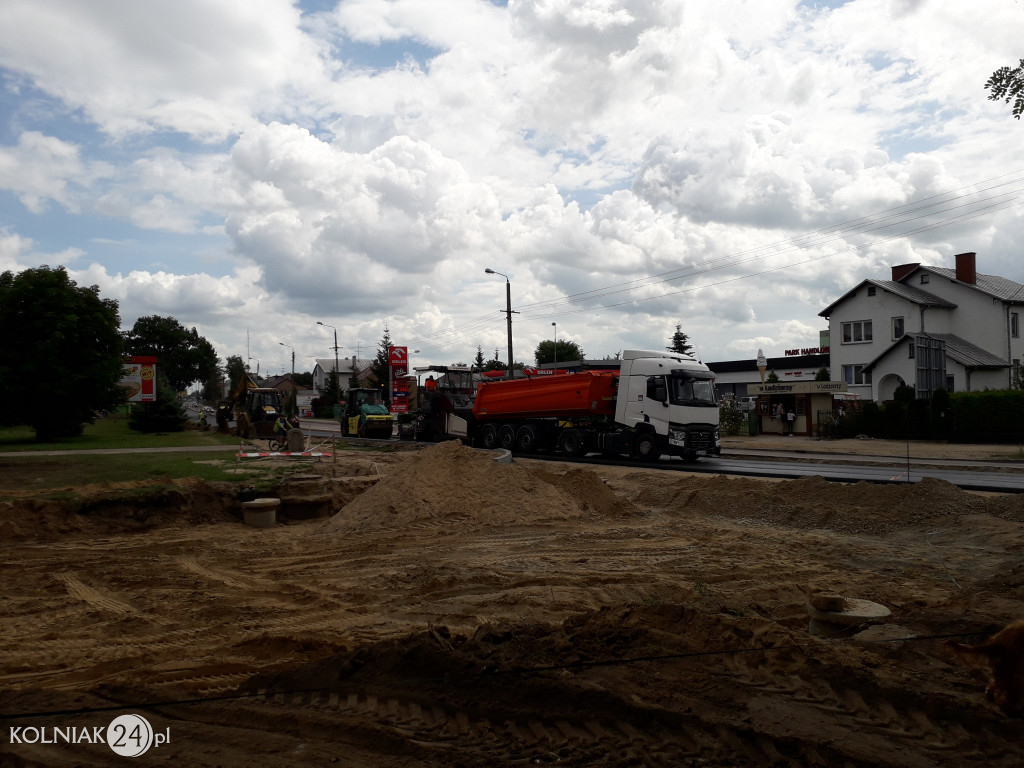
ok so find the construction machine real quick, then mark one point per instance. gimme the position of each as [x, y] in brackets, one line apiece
[254, 408]
[366, 415]
[442, 402]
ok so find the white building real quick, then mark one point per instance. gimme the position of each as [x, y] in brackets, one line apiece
[928, 327]
[351, 372]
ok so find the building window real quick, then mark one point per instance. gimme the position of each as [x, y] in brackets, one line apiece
[924, 278]
[897, 328]
[857, 332]
[910, 350]
[871, 290]
[854, 374]
[1015, 325]
[949, 383]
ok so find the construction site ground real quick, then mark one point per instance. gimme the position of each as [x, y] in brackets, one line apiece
[430, 607]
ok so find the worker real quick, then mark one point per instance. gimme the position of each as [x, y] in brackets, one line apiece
[430, 384]
[281, 426]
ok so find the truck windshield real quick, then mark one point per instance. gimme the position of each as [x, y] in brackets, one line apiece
[686, 389]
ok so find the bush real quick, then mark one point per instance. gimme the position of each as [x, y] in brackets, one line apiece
[987, 417]
[162, 415]
[730, 417]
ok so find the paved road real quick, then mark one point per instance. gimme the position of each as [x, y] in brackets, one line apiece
[967, 475]
[1005, 477]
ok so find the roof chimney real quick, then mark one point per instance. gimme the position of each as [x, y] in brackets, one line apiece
[902, 270]
[965, 271]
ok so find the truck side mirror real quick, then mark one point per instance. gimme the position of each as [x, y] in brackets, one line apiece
[656, 390]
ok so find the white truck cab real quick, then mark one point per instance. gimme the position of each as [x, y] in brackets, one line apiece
[669, 400]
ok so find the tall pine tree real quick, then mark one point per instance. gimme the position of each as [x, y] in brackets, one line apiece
[680, 342]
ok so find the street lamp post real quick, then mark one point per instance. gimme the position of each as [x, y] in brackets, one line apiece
[508, 312]
[325, 325]
[554, 349]
[293, 358]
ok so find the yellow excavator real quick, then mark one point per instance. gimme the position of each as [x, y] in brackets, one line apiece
[255, 409]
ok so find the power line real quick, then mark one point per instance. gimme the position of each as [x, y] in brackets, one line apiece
[971, 205]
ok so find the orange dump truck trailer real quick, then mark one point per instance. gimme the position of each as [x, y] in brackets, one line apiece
[564, 397]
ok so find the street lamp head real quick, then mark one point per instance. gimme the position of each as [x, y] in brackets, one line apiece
[490, 271]
[318, 322]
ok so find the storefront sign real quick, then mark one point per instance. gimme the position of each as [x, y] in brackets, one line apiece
[797, 388]
[807, 351]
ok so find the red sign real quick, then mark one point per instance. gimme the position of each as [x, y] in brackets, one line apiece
[398, 356]
[398, 361]
[400, 396]
[138, 378]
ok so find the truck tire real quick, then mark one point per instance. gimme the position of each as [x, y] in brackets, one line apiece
[507, 437]
[526, 439]
[647, 447]
[571, 443]
[489, 436]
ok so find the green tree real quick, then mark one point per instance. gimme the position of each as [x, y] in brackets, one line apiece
[680, 342]
[165, 414]
[61, 353]
[1007, 83]
[773, 377]
[567, 350]
[822, 375]
[379, 367]
[183, 356]
[235, 368]
[330, 397]
[213, 387]
[478, 361]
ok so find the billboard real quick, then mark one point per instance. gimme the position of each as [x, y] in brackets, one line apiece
[138, 378]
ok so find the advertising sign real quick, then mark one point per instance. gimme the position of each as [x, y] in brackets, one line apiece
[400, 396]
[398, 362]
[138, 378]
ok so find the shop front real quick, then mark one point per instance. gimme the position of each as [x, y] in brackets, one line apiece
[804, 399]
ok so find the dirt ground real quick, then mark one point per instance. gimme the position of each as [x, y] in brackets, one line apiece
[452, 611]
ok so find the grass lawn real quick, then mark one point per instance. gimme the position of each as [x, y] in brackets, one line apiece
[49, 475]
[110, 432]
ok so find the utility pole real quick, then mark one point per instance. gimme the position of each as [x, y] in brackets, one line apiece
[325, 325]
[554, 349]
[508, 312]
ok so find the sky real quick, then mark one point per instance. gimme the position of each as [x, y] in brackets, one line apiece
[253, 168]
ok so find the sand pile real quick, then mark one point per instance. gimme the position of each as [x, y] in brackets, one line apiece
[812, 502]
[452, 481]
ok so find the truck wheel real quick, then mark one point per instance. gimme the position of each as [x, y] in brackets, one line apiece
[647, 447]
[571, 443]
[489, 436]
[526, 439]
[507, 437]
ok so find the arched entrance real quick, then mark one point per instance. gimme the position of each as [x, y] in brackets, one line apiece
[887, 386]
